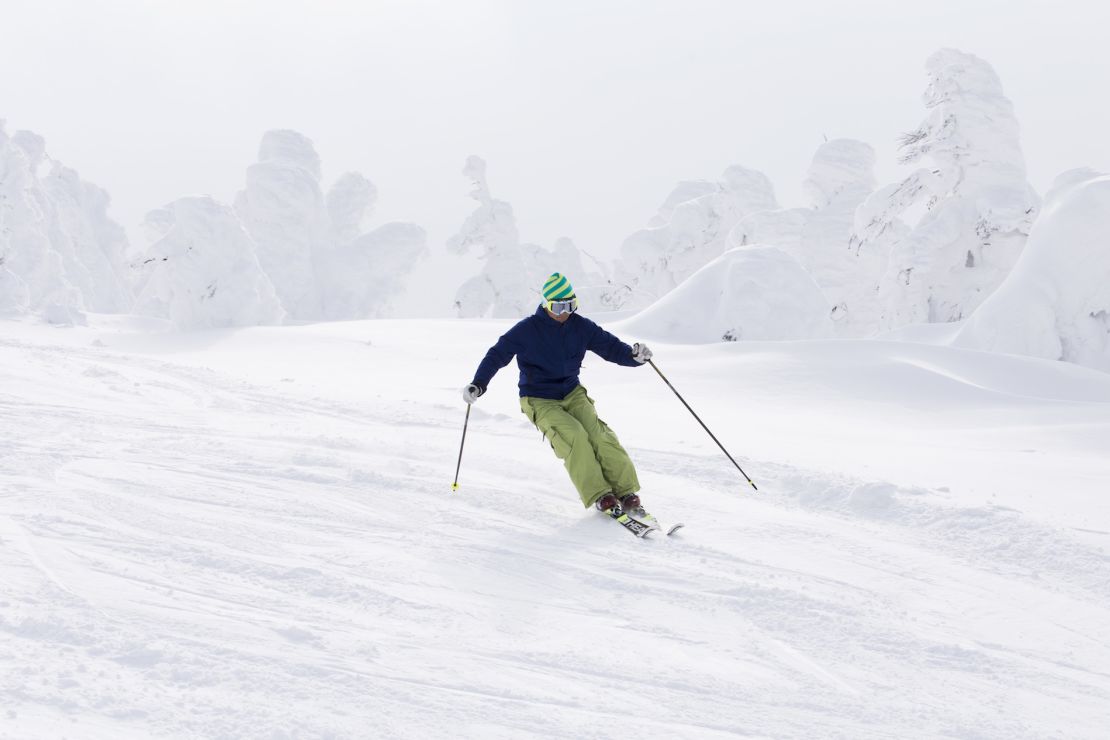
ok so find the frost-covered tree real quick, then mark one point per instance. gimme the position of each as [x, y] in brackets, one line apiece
[350, 202]
[15, 297]
[91, 244]
[361, 278]
[503, 289]
[60, 252]
[313, 248]
[588, 276]
[202, 270]
[686, 235]
[840, 178]
[1055, 303]
[283, 209]
[978, 206]
[512, 272]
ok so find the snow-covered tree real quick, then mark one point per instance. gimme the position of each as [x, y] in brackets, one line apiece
[978, 206]
[361, 278]
[350, 202]
[60, 252]
[503, 288]
[840, 178]
[202, 271]
[686, 235]
[283, 209]
[314, 248]
[1055, 303]
[509, 283]
[588, 276]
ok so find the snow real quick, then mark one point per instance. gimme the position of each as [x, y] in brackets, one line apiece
[1055, 303]
[755, 292]
[251, 533]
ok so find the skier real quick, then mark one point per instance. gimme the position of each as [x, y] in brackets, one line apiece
[549, 346]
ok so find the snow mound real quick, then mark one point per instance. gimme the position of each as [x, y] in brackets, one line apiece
[748, 293]
[1055, 304]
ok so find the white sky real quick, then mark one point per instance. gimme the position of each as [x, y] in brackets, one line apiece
[587, 112]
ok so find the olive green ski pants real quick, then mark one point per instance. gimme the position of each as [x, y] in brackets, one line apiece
[589, 449]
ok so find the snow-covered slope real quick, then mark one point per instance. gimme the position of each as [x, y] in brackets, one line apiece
[251, 533]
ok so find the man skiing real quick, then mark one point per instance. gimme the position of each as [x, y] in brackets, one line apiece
[549, 346]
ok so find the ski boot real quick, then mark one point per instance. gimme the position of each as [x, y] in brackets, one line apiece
[630, 502]
[607, 503]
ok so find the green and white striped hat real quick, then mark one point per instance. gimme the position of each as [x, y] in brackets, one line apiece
[557, 288]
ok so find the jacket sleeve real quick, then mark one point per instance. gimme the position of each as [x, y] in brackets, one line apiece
[499, 355]
[607, 346]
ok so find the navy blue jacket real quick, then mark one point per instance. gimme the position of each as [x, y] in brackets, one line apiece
[550, 353]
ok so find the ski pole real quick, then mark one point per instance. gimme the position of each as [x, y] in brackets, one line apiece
[703, 426]
[455, 485]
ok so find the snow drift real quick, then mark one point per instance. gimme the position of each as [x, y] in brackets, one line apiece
[755, 292]
[1055, 303]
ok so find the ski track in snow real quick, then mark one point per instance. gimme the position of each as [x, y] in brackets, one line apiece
[187, 554]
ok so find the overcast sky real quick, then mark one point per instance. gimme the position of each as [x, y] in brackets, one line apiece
[587, 112]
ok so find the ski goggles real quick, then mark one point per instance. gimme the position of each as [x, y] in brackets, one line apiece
[569, 305]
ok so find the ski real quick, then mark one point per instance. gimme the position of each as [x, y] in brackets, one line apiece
[642, 515]
[640, 523]
[636, 527]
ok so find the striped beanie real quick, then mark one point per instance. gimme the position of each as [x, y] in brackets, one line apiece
[557, 288]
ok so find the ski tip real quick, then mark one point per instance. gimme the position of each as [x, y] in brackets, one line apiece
[674, 529]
